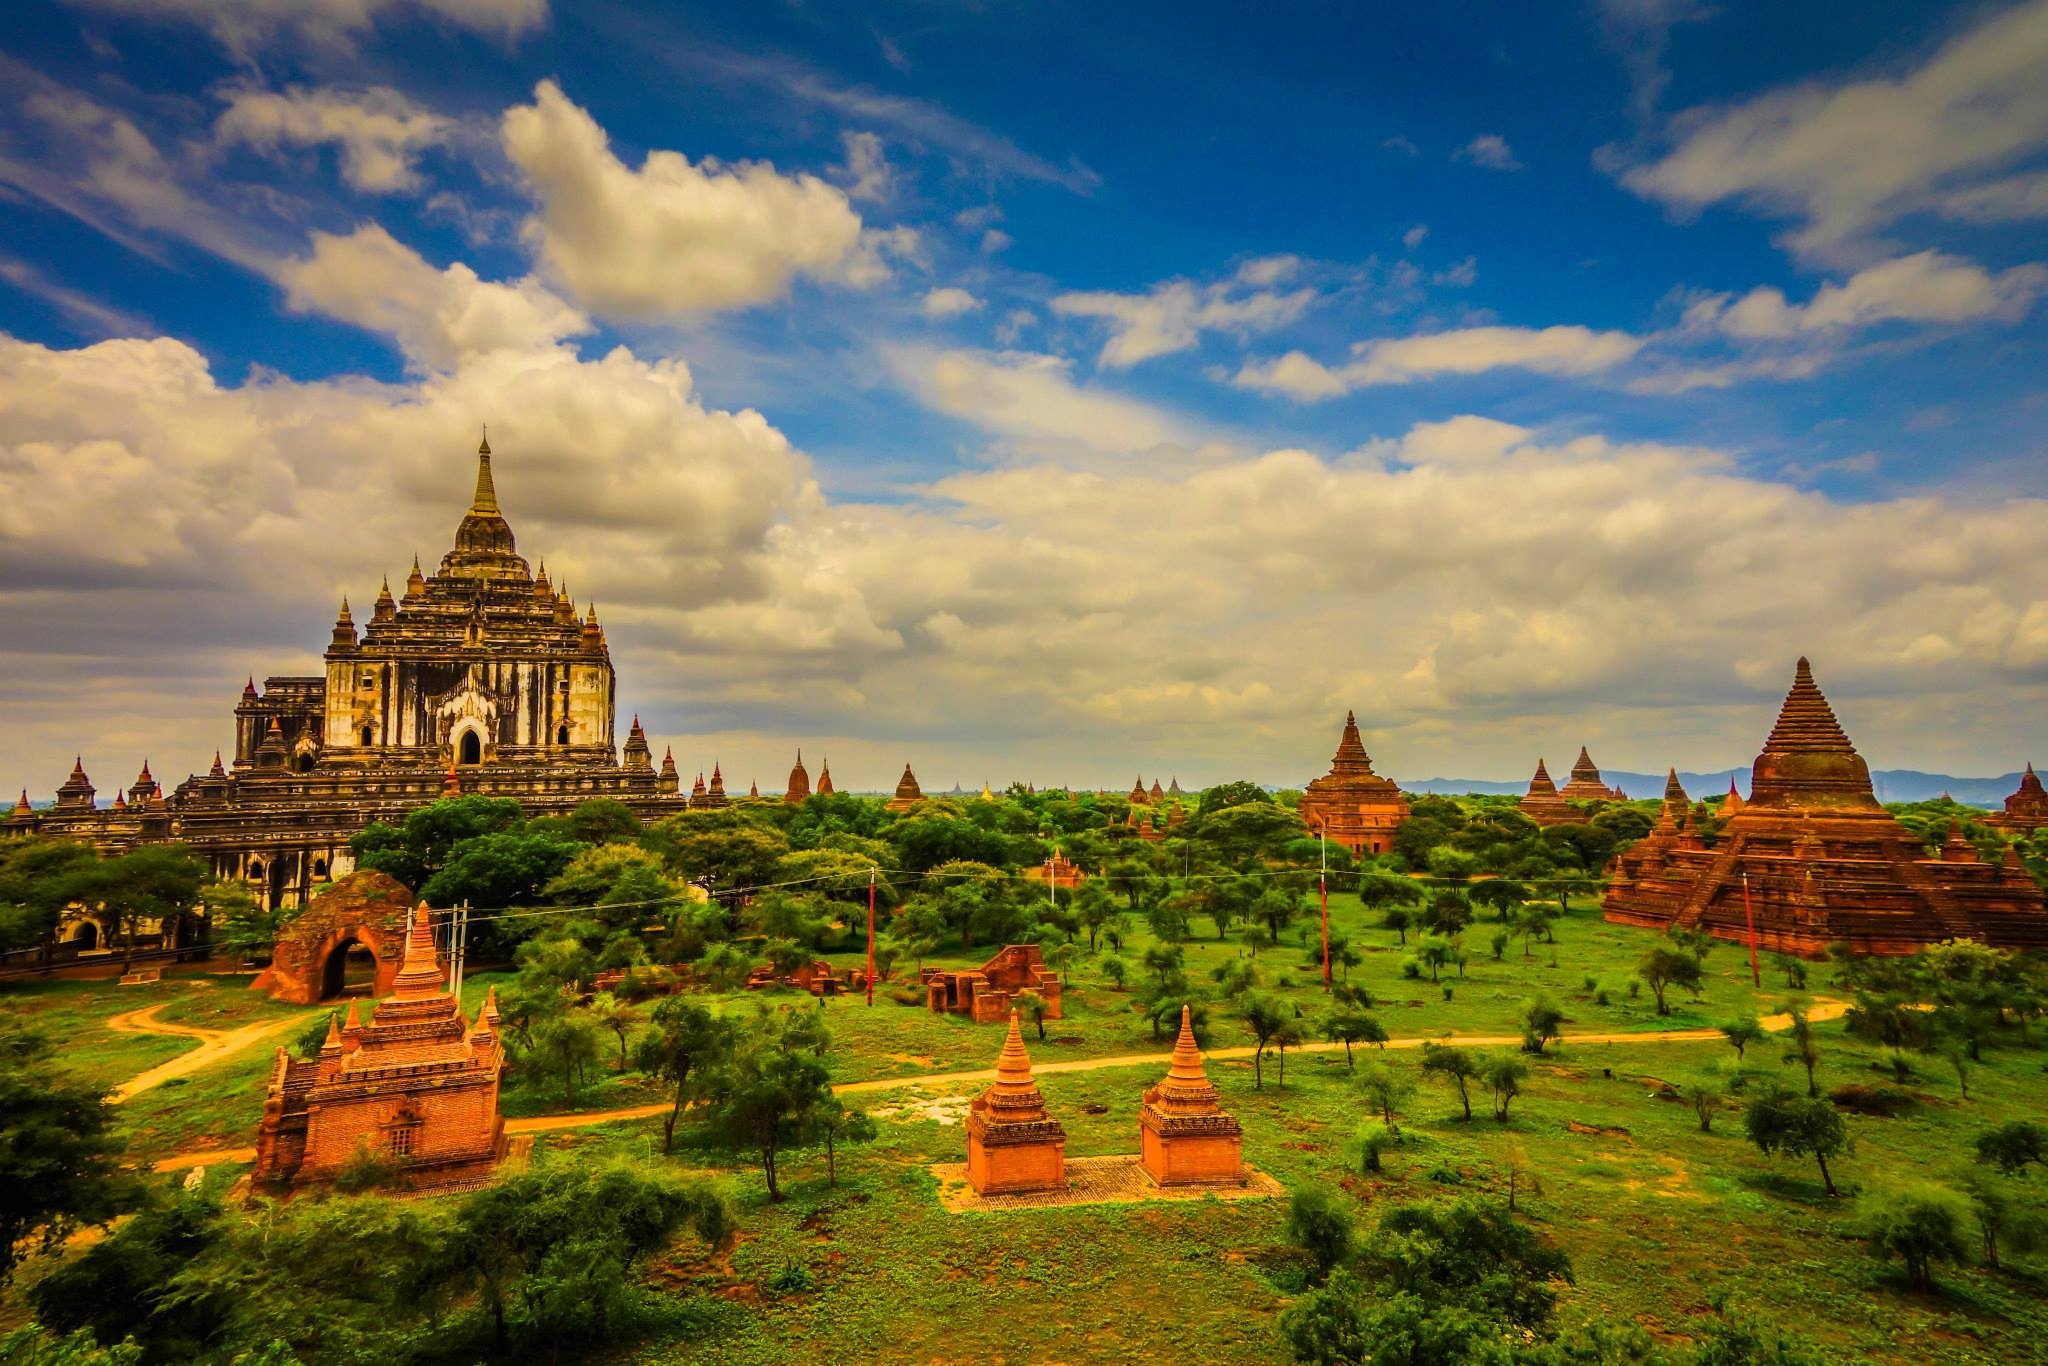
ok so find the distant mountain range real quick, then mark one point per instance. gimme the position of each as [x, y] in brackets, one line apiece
[1892, 784]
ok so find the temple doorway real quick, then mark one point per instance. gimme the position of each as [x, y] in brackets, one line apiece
[350, 970]
[86, 935]
[472, 752]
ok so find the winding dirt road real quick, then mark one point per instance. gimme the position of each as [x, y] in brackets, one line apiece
[215, 1045]
[1822, 1010]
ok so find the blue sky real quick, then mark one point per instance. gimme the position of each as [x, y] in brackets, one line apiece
[1042, 387]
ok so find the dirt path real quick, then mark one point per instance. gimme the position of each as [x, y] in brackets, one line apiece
[215, 1045]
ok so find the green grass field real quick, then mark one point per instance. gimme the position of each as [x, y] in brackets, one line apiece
[1659, 1218]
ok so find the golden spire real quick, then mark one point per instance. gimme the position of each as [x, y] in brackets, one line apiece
[486, 499]
[1187, 1056]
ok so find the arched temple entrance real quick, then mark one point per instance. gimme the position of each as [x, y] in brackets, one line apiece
[85, 935]
[350, 969]
[472, 750]
[348, 940]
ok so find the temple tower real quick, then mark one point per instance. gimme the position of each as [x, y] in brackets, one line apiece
[1012, 1145]
[1184, 1136]
[1543, 805]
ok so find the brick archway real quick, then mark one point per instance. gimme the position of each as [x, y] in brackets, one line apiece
[369, 908]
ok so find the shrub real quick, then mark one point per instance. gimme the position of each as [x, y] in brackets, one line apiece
[1918, 1224]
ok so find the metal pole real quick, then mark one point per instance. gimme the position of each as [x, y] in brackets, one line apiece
[1323, 892]
[871, 934]
[1756, 975]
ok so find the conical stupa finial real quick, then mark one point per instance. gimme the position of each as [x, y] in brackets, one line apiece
[486, 499]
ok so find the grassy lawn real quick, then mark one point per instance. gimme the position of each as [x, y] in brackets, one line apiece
[1658, 1217]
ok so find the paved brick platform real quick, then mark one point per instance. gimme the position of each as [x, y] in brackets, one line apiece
[1094, 1181]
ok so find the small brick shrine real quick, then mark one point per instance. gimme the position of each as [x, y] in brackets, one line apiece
[1184, 1136]
[1012, 1145]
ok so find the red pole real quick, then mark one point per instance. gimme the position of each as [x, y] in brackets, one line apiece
[871, 936]
[1323, 893]
[1756, 975]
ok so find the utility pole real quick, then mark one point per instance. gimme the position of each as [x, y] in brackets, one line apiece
[871, 934]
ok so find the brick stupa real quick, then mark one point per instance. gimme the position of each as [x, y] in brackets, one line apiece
[2026, 810]
[1184, 1137]
[1825, 862]
[1543, 805]
[1351, 804]
[1012, 1145]
[908, 793]
[1586, 784]
[416, 1087]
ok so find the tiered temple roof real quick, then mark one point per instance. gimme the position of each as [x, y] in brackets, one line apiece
[1586, 784]
[799, 782]
[908, 793]
[1824, 862]
[1543, 805]
[416, 1086]
[1351, 804]
[2026, 809]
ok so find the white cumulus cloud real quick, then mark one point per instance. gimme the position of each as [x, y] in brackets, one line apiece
[379, 132]
[1564, 351]
[1172, 316]
[673, 237]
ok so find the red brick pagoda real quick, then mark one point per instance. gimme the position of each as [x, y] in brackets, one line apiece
[1352, 805]
[1825, 863]
[1012, 1145]
[416, 1087]
[1543, 805]
[2025, 810]
[1586, 784]
[908, 793]
[1184, 1137]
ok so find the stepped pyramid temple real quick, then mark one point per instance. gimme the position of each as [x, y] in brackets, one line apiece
[1543, 805]
[908, 793]
[1012, 1146]
[1586, 784]
[1351, 804]
[416, 1087]
[1184, 1137]
[2025, 810]
[481, 678]
[1824, 862]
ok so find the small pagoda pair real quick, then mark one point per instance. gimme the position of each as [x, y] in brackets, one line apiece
[1184, 1136]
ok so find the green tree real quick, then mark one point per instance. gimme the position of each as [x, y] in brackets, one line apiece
[1799, 1126]
[1226, 795]
[564, 1046]
[38, 879]
[118, 1288]
[1919, 1224]
[1741, 1032]
[1266, 1017]
[719, 849]
[1663, 968]
[686, 1044]
[1319, 1224]
[1805, 1049]
[767, 1097]
[618, 1015]
[1350, 1027]
[421, 845]
[1705, 1099]
[1540, 1019]
[551, 1251]
[1504, 1076]
[2010, 1147]
[1453, 1064]
[1386, 1090]
[60, 1161]
[839, 1124]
